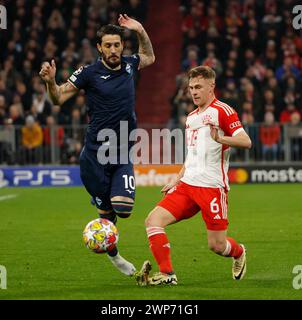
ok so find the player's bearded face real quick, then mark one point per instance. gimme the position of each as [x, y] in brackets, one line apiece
[111, 50]
[201, 90]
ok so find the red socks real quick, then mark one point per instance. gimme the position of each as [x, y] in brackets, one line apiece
[233, 249]
[160, 247]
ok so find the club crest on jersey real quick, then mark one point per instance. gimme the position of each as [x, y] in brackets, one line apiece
[128, 68]
[98, 201]
[207, 118]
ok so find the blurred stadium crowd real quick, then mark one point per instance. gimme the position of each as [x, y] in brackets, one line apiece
[251, 44]
[256, 54]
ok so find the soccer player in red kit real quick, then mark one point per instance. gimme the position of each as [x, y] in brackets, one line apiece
[202, 184]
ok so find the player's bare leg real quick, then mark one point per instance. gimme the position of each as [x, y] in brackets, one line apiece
[155, 223]
[117, 260]
[225, 246]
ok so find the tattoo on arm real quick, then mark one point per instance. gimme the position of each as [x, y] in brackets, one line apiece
[64, 88]
[59, 94]
[53, 92]
[145, 49]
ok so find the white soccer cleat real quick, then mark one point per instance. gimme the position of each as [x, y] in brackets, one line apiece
[142, 276]
[160, 278]
[239, 265]
[123, 265]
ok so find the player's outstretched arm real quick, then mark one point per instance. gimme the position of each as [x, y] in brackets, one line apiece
[240, 140]
[57, 94]
[145, 51]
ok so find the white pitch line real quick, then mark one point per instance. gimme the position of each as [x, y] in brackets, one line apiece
[7, 197]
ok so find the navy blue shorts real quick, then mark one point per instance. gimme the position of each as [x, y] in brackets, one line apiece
[106, 181]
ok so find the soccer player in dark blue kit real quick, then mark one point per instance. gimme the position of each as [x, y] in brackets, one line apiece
[110, 97]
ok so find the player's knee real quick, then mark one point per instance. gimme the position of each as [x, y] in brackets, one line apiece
[159, 217]
[148, 221]
[122, 208]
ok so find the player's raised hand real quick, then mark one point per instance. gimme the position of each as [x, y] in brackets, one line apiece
[48, 71]
[129, 23]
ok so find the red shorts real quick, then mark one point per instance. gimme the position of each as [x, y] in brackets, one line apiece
[184, 201]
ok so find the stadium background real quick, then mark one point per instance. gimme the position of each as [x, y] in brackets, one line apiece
[256, 53]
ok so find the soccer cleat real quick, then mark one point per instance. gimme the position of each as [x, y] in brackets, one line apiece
[160, 278]
[239, 265]
[122, 265]
[142, 276]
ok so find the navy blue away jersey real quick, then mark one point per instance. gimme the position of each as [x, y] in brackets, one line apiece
[110, 96]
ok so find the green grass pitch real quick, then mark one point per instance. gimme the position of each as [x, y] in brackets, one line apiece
[41, 247]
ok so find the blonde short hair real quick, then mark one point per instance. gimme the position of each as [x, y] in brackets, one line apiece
[202, 71]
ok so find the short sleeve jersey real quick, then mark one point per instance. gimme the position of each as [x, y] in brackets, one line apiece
[207, 161]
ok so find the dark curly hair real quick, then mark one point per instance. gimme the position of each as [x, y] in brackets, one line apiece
[110, 29]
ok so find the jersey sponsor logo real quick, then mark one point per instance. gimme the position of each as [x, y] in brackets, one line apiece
[130, 191]
[235, 124]
[105, 77]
